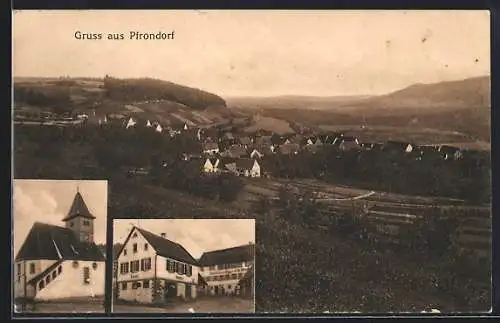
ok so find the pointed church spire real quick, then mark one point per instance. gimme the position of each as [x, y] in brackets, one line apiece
[78, 208]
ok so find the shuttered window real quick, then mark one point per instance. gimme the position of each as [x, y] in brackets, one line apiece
[134, 266]
[190, 271]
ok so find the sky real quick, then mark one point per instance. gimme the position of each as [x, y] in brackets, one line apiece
[49, 201]
[260, 53]
[195, 235]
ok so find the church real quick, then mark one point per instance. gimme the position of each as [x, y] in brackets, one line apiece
[57, 262]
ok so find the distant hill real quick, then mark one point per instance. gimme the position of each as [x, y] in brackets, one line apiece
[145, 98]
[292, 102]
[443, 96]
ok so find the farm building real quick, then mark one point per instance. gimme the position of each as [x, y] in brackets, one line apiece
[244, 167]
[228, 271]
[61, 262]
[153, 269]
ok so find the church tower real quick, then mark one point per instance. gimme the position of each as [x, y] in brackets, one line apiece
[80, 220]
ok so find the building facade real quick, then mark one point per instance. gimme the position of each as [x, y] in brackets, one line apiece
[153, 269]
[223, 270]
[61, 262]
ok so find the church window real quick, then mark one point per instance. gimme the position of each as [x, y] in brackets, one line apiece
[47, 279]
[54, 274]
[41, 285]
[32, 268]
[59, 269]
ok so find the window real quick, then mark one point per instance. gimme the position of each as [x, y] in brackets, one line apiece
[234, 276]
[41, 285]
[47, 279]
[124, 268]
[59, 269]
[32, 269]
[190, 271]
[134, 247]
[71, 224]
[134, 235]
[170, 266]
[178, 267]
[136, 285]
[146, 246]
[86, 275]
[54, 274]
[94, 265]
[145, 284]
[19, 269]
[213, 267]
[145, 264]
[124, 252]
[134, 266]
[124, 286]
[86, 223]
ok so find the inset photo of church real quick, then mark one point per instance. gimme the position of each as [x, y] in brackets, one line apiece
[59, 245]
[184, 265]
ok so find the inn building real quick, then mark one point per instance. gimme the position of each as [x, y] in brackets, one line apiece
[57, 262]
[229, 271]
[154, 269]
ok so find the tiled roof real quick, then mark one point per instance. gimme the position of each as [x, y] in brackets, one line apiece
[50, 242]
[167, 248]
[228, 256]
[78, 208]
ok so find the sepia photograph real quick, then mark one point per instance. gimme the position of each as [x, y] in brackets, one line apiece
[358, 140]
[184, 265]
[59, 240]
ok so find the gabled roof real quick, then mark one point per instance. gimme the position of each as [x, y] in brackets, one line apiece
[165, 247]
[51, 242]
[228, 256]
[78, 208]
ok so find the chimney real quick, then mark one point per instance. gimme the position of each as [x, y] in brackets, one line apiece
[163, 235]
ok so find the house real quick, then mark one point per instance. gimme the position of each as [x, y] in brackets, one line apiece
[450, 152]
[348, 143]
[235, 151]
[61, 262]
[148, 124]
[243, 167]
[210, 148]
[130, 123]
[211, 165]
[247, 167]
[159, 128]
[255, 154]
[153, 269]
[226, 271]
[398, 146]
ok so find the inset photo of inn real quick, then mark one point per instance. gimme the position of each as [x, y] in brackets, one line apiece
[184, 265]
[59, 245]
